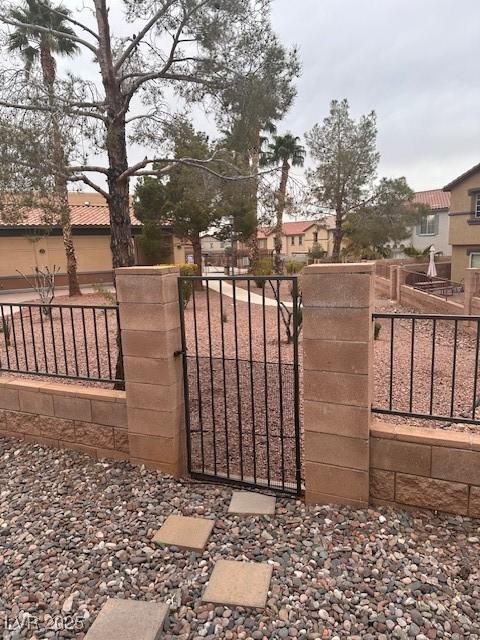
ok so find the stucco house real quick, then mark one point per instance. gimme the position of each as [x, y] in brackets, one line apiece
[300, 237]
[464, 216]
[433, 226]
[30, 243]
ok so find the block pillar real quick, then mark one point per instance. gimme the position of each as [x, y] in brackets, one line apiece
[393, 282]
[472, 279]
[150, 330]
[401, 280]
[337, 358]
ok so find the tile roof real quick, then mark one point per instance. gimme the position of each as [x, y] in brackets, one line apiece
[435, 198]
[461, 178]
[82, 215]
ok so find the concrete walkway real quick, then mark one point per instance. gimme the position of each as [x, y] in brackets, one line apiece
[241, 294]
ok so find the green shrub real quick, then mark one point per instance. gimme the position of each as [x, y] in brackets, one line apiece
[294, 266]
[377, 327]
[187, 285]
[262, 267]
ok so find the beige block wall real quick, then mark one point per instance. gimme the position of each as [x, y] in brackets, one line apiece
[150, 327]
[425, 468]
[337, 348]
[68, 416]
[421, 301]
[24, 254]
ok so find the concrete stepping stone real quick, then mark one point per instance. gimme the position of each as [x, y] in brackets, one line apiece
[250, 503]
[240, 584]
[129, 620]
[184, 532]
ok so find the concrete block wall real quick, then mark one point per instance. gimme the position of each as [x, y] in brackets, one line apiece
[337, 349]
[91, 420]
[427, 468]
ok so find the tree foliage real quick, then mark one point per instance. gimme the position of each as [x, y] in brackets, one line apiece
[184, 48]
[346, 160]
[385, 221]
[284, 151]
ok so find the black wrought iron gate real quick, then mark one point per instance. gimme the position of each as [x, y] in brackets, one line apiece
[241, 379]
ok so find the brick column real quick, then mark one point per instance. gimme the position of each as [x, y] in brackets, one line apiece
[337, 350]
[150, 327]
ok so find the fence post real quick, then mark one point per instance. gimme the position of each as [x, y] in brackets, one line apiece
[393, 282]
[338, 353]
[150, 330]
[470, 288]
[401, 280]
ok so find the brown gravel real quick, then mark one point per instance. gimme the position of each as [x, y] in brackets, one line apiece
[445, 378]
[65, 341]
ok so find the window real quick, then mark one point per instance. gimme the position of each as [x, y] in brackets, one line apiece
[428, 225]
[477, 205]
[475, 260]
[315, 237]
[300, 239]
[292, 241]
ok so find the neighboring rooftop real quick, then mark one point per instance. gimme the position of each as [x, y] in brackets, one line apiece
[434, 198]
[296, 228]
[451, 185]
[86, 210]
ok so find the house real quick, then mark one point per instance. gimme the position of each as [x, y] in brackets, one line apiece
[464, 216]
[433, 226]
[300, 237]
[31, 242]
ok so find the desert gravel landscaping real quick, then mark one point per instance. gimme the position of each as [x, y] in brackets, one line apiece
[74, 531]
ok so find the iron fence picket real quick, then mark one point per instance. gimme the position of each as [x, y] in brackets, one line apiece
[392, 405]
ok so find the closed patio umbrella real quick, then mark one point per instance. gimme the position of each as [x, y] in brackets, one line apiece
[432, 269]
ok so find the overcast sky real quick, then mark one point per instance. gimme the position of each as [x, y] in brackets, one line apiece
[415, 62]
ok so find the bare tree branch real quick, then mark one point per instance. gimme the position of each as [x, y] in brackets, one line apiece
[90, 183]
[87, 167]
[139, 37]
[52, 109]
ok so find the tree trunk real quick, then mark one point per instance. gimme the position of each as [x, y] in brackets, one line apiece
[60, 180]
[254, 161]
[281, 198]
[337, 237]
[115, 143]
[197, 259]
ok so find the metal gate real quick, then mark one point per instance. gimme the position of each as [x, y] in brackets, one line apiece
[241, 379]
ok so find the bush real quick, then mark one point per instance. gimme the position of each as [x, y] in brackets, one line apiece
[187, 286]
[294, 266]
[316, 252]
[262, 267]
[377, 327]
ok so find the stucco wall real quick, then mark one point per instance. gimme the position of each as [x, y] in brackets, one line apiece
[460, 262]
[25, 253]
[460, 199]
[68, 416]
[426, 468]
[439, 240]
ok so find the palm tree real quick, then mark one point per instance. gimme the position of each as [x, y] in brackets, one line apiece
[34, 45]
[287, 152]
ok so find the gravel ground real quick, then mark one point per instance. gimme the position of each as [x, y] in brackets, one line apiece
[74, 531]
[265, 342]
[445, 378]
[63, 342]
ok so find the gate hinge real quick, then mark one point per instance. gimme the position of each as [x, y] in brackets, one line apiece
[178, 353]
